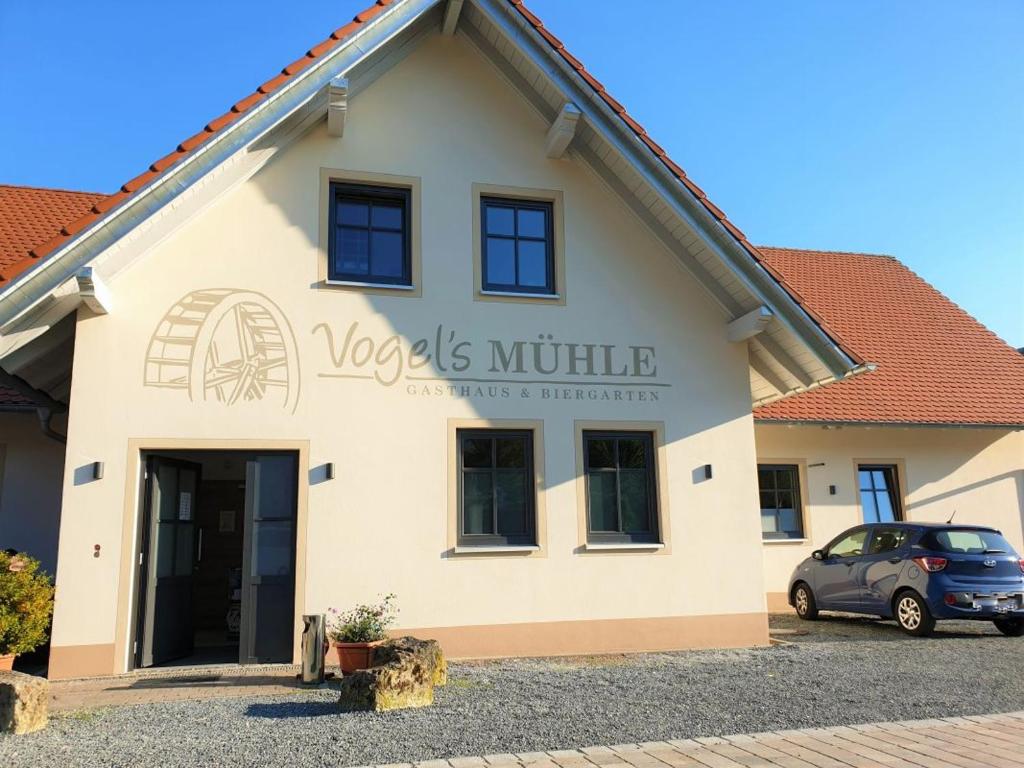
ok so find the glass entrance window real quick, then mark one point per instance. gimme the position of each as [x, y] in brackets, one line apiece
[879, 493]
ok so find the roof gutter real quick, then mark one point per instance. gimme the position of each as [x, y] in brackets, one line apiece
[31, 286]
[882, 424]
[746, 268]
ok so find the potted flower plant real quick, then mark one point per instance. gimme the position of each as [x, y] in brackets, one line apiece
[357, 631]
[26, 605]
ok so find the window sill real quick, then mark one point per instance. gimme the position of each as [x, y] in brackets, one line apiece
[496, 550]
[516, 295]
[624, 547]
[359, 284]
[784, 541]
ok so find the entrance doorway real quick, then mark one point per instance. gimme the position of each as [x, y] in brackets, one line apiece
[217, 558]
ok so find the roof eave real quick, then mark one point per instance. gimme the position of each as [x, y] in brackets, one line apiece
[887, 424]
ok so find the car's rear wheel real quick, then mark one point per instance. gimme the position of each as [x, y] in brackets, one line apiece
[912, 614]
[1010, 627]
[803, 601]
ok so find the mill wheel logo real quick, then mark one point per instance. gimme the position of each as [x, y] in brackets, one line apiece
[228, 346]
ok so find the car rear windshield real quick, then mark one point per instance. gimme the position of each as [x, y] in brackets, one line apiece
[970, 541]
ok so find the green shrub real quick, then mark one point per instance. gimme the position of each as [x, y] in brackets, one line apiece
[26, 604]
[362, 624]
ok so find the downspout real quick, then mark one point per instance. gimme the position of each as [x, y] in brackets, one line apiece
[45, 417]
[45, 406]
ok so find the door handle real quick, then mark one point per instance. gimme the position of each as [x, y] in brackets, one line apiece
[199, 551]
[895, 560]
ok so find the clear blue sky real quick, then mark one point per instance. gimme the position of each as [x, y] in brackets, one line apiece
[869, 125]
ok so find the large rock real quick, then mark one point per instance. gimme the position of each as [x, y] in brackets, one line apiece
[23, 702]
[404, 674]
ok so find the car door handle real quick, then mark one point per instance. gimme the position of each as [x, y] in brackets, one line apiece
[895, 560]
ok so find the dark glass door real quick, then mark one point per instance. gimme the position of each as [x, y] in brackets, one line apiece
[268, 560]
[169, 547]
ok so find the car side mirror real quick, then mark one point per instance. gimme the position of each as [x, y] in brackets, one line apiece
[818, 554]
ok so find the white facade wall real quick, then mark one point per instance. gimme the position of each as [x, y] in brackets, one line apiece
[446, 120]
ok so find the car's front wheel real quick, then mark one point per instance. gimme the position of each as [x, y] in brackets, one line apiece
[1010, 627]
[913, 616]
[803, 601]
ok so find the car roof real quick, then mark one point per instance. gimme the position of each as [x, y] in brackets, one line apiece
[938, 526]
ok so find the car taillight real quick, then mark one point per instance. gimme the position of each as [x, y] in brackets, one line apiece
[931, 564]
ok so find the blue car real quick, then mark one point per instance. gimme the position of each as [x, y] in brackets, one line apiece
[915, 573]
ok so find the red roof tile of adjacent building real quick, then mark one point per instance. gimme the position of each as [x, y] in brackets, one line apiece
[935, 363]
[31, 215]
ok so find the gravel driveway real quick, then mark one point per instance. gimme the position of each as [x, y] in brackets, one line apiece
[841, 671]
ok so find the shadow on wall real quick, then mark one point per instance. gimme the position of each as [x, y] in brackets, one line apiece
[1017, 476]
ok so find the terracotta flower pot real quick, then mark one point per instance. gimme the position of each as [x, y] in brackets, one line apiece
[7, 662]
[354, 656]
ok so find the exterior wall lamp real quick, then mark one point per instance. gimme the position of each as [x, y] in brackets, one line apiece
[97, 470]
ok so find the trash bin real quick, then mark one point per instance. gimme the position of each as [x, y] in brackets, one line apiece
[313, 649]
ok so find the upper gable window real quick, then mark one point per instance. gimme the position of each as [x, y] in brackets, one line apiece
[517, 246]
[368, 235]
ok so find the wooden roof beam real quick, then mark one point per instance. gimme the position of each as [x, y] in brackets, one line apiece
[562, 131]
[337, 106]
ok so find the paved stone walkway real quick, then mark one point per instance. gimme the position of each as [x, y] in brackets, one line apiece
[985, 741]
[192, 683]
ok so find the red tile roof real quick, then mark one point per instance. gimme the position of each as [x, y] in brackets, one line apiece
[935, 363]
[30, 215]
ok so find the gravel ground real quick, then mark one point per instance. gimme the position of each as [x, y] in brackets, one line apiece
[817, 679]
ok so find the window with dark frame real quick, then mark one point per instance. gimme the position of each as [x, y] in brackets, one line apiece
[879, 493]
[496, 488]
[368, 238]
[781, 513]
[517, 247]
[621, 487]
